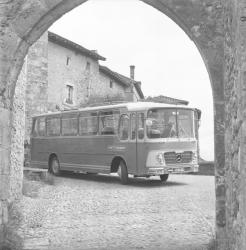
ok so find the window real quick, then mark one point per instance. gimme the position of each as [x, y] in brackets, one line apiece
[140, 126]
[133, 126]
[38, 128]
[68, 60]
[88, 66]
[108, 122]
[161, 123]
[185, 123]
[69, 97]
[111, 84]
[69, 125]
[41, 126]
[124, 127]
[34, 127]
[88, 124]
[53, 126]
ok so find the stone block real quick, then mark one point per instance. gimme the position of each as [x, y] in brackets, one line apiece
[4, 187]
[220, 191]
[4, 164]
[27, 13]
[3, 212]
[221, 218]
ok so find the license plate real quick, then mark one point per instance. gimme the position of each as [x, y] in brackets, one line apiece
[179, 170]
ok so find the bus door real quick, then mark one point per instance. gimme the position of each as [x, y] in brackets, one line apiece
[141, 150]
[136, 142]
[127, 136]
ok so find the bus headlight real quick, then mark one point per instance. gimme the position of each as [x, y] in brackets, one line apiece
[160, 158]
[194, 158]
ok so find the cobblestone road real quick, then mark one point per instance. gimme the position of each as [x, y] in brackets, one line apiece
[97, 212]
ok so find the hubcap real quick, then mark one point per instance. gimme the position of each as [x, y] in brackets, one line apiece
[119, 171]
[55, 166]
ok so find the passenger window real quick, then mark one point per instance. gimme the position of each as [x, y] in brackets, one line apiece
[108, 121]
[133, 126]
[124, 127]
[69, 125]
[141, 126]
[41, 127]
[34, 127]
[53, 126]
[88, 124]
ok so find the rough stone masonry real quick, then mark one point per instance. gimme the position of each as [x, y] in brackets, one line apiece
[218, 29]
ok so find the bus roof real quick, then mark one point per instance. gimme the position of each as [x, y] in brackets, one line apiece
[130, 106]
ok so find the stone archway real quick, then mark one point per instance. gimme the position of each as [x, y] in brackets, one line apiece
[23, 22]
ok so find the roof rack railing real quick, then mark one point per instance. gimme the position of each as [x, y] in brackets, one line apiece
[69, 109]
[102, 103]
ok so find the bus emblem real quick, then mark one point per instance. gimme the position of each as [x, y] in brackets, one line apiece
[178, 157]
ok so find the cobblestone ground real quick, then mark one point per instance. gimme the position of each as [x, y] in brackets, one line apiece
[97, 212]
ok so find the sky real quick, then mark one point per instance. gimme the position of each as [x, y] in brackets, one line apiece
[130, 32]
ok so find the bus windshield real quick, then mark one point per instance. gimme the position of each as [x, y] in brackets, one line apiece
[170, 123]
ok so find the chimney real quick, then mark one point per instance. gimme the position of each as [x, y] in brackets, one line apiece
[132, 71]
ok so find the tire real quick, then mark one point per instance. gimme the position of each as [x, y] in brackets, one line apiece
[164, 177]
[55, 166]
[123, 173]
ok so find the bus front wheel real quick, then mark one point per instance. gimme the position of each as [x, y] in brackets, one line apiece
[55, 166]
[122, 172]
[164, 177]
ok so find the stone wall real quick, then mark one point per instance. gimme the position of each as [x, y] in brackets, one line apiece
[76, 73]
[235, 121]
[88, 83]
[211, 24]
[11, 175]
[103, 88]
[36, 69]
[17, 137]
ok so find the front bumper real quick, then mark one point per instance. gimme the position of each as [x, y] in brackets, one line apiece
[173, 169]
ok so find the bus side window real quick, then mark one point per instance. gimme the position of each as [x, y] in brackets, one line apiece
[88, 124]
[53, 126]
[69, 125]
[133, 126]
[124, 127]
[41, 127]
[141, 126]
[35, 127]
[108, 121]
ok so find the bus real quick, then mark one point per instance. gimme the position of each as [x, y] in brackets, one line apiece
[141, 139]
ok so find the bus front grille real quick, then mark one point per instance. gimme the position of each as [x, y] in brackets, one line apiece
[174, 158]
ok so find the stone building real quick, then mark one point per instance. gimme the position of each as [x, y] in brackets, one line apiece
[63, 75]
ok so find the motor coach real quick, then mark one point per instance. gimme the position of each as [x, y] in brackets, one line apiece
[141, 139]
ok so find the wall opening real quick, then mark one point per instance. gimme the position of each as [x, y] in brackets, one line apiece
[166, 76]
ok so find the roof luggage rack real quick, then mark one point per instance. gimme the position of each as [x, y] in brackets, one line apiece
[103, 103]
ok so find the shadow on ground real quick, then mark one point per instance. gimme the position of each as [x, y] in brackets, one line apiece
[113, 179]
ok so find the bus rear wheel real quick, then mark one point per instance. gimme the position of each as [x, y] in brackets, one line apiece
[164, 177]
[123, 173]
[55, 166]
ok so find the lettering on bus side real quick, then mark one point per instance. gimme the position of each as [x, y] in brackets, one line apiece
[116, 148]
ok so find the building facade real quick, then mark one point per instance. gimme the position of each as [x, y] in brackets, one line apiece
[63, 75]
[75, 77]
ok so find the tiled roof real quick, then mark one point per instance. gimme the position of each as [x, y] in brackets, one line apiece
[166, 99]
[126, 81]
[74, 46]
